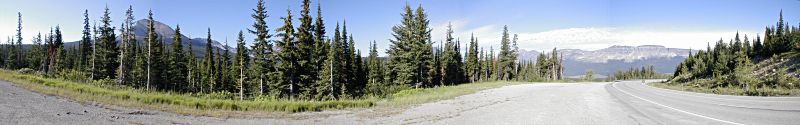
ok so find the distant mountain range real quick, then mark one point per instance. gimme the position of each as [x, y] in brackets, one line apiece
[608, 60]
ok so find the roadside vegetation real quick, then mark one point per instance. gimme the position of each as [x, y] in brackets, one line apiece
[313, 69]
[767, 68]
[226, 104]
[101, 91]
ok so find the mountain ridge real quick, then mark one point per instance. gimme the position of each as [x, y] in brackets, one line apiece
[166, 32]
[617, 57]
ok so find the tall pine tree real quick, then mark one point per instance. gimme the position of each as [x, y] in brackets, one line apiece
[452, 72]
[154, 55]
[240, 62]
[107, 50]
[288, 57]
[85, 44]
[209, 64]
[306, 45]
[505, 62]
[375, 75]
[126, 48]
[178, 62]
[472, 63]
[262, 48]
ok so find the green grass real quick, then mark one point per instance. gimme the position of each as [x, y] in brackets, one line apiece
[203, 104]
[178, 103]
[778, 91]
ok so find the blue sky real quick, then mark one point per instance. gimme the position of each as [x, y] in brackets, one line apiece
[541, 24]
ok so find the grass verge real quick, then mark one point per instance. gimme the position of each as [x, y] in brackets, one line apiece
[200, 105]
[778, 91]
[171, 102]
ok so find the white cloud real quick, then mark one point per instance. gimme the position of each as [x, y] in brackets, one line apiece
[588, 38]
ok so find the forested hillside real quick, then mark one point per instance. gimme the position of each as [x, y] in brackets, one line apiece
[761, 66]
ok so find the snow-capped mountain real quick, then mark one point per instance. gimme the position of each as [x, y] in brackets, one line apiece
[625, 53]
[608, 60]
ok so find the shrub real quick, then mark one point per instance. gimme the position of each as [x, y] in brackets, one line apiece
[73, 75]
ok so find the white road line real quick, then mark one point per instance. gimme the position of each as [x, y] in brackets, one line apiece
[659, 104]
[693, 94]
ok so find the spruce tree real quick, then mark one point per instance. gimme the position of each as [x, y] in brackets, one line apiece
[486, 65]
[437, 76]
[262, 48]
[288, 57]
[721, 57]
[37, 53]
[375, 72]
[11, 57]
[346, 68]
[226, 66]
[452, 72]
[306, 45]
[332, 79]
[153, 54]
[472, 63]
[490, 64]
[107, 50]
[399, 51]
[327, 88]
[353, 84]
[218, 73]
[208, 66]
[320, 54]
[320, 50]
[360, 75]
[177, 72]
[411, 50]
[423, 48]
[505, 62]
[85, 44]
[126, 48]
[241, 64]
[20, 51]
[193, 72]
[758, 47]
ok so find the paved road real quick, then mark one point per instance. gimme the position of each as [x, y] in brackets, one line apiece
[616, 103]
[677, 107]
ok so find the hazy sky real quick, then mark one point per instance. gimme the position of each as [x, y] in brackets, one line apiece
[541, 25]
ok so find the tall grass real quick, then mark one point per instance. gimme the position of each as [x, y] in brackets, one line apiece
[208, 104]
[188, 103]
